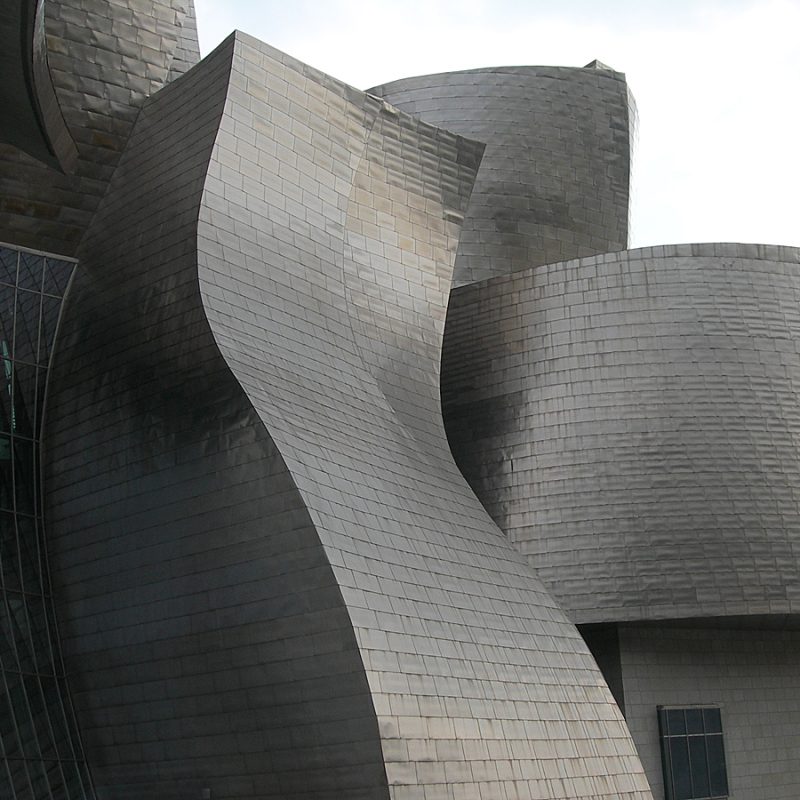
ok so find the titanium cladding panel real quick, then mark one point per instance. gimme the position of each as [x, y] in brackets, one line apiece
[275, 581]
[104, 59]
[631, 422]
[554, 182]
[31, 119]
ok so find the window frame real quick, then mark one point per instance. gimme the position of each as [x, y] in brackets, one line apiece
[667, 736]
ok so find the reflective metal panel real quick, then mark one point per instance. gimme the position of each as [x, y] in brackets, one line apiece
[631, 421]
[257, 522]
[103, 59]
[554, 182]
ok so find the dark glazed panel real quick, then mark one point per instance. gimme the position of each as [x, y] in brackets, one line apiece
[36, 748]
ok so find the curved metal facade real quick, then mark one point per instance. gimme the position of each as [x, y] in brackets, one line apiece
[31, 119]
[209, 639]
[275, 581]
[632, 421]
[104, 60]
[63, 131]
[554, 181]
[271, 578]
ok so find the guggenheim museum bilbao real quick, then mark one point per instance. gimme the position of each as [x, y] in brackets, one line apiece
[348, 454]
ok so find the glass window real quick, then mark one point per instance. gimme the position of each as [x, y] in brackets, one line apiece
[38, 738]
[50, 309]
[5, 787]
[7, 301]
[18, 770]
[692, 753]
[6, 388]
[8, 265]
[6, 474]
[26, 330]
[56, 276]
[9, 552]
[31, 270]
[25, 478]
[25, 387]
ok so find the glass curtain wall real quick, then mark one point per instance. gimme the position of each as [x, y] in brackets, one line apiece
[39, 744]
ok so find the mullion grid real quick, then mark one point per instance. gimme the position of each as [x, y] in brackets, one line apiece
[24, 605]
[4, 672]
[71, 738]
[51, 780]
[6, 770]
[666, 737]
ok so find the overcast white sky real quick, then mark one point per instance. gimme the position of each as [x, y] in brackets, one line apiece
[717, 83]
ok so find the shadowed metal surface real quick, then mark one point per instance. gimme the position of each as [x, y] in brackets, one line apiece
[104, 59]
[208, 636]
[275, 581]
[631, 421]
[31, 118]
[554, 181]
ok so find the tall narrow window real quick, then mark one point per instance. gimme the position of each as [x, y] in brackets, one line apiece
[40, 751]
[692, 753]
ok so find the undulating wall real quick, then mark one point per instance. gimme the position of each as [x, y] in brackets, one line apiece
[209, 642]
[104, 57]
[274, 580]
[554, 182]
[480, 688]
[631, 422]
[751, 673]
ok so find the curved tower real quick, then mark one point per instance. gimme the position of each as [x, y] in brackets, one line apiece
[73, 77]
[85, 69]
[631, 421]
[554, 182]
[32, 120]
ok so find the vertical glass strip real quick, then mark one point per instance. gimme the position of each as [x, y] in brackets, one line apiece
[57, 273]
[31, 271]
[26, 326]
[39, 742]
[8, 265]
[718, 774]
[699, 766]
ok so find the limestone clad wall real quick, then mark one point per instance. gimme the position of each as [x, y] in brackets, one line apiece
[751, 674]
